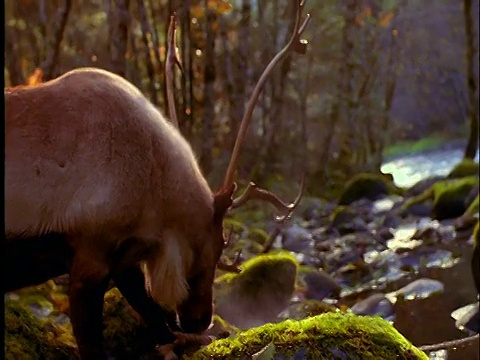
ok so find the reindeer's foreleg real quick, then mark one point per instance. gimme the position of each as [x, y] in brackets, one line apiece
[89, 278]
[131, 283]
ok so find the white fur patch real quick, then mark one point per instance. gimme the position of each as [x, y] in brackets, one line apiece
[165, 276]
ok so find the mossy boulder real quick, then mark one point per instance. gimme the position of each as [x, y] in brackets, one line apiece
[326, 336]
[259, 292]
[369, 186]
[30, 337]
[448, 196]
[473, 207]
[464, 168]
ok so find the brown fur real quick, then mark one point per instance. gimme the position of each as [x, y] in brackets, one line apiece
[87, 154]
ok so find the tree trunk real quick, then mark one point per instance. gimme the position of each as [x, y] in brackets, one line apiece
[51, 61]
[119, 19]
[472, 145]
[209, 92]
[147, 40]
[186, 118]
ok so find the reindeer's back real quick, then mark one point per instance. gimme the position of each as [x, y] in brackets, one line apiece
[86, 148]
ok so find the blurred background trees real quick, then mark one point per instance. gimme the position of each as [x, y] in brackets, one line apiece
[376, 72]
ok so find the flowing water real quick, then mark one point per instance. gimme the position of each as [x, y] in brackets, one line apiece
[428, 321]
[409, 169]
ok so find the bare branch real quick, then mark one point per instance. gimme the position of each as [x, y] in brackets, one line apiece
[170, 62]
[291, 45]
[254, 192]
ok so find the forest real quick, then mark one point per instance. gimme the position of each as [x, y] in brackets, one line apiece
[376, 107]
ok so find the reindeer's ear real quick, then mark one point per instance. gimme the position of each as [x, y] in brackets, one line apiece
[222, 200]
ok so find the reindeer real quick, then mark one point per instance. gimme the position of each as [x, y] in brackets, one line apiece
[100, 186]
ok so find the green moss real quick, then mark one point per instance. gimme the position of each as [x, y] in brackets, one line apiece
[412, 147]
[369, 186]
[27, 337]
[448, 197]
[466, 167]
[126, 334]
[253, 270]
[473, 208]
[326, 336]
[259, 292]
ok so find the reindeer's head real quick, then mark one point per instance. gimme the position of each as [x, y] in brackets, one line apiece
[195, 312]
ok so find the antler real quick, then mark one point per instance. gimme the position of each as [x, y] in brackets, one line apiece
[232, 267]
[170, 61]
[254, 192]
[294, 44]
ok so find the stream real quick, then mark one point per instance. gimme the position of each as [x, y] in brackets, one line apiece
[428, 321]
[409, 169]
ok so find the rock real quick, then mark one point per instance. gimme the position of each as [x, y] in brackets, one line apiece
[28, 337]
[382, 206]
[464, 168]
[376, 304]
[296, 239]
[369, 186]
[306, 308]
[319, 285]
[473, 207]
[314, 208]
[418, 289]
[448, 196]
[326, 336]
[259, 293]
[346, 221]
[434, 233]
[468, 317]
[342, 215]
[422, 185]
[418, 210]
[221, 328]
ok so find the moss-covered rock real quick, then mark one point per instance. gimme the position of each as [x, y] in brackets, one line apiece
[259, 293]
[28, 337]
[369, 186]
[449, 197]
[464, 168]
[473, 207]
[327, 336]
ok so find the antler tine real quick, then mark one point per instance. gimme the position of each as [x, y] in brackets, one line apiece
[170, 61]
[254, 192]
[294, 40]
[233, 267]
